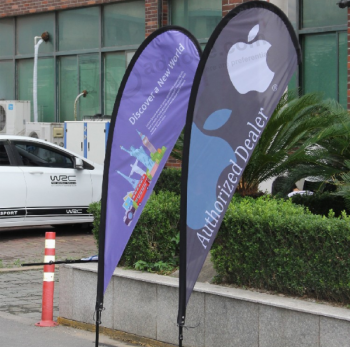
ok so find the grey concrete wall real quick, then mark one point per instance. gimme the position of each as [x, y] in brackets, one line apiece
[146, 305]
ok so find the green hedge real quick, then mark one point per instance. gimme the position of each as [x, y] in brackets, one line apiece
[264, 243]
[276, 245]
[169, 180]
[322, 203]
[154, 243]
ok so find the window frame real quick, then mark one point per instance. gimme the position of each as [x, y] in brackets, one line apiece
[296, 17]
[56, 54]
[202, 41]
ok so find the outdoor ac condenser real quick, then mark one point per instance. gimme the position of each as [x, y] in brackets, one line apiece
[87, 138]
[51, 132]
[14, 114]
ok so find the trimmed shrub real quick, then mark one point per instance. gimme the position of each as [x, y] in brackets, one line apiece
[169, 180]
[154, 243]
[322, 203]
[275, 245]
[95, 210]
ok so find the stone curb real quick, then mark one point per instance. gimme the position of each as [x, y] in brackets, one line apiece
[114, 334]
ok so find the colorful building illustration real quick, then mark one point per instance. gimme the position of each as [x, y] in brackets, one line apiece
[136, 169]
[128, 203]
[133, 199]
[140, 155]
[132, 181]
[147, 143]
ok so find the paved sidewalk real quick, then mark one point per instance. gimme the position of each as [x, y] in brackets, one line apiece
[21, 288]
[21, 293]
[17, 331]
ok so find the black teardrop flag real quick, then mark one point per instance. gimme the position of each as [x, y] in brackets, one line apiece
[243, 72]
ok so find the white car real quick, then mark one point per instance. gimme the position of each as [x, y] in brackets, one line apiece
[41, 183]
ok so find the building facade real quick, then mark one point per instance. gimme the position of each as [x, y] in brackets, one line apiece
[91, 43]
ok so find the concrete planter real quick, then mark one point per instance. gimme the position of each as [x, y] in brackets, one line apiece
[146, 305]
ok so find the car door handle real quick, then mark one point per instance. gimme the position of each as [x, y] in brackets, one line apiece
[36, 172]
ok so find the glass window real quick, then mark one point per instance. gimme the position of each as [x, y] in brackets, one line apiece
[68, 87]
[4, 159]
[323, 68]
[320, 64]
[78, 73]
[79, 29]
[114, 66]
[45, 89]
[25, 81]
[7, 37]
[200, 17]
[7, 81]
[322, 13]
[30, 26]
[124, 23]
[33, 154]
[293, 85]
[89, 80]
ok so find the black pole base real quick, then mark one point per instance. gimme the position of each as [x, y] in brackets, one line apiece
[181, 337]
[98, 312]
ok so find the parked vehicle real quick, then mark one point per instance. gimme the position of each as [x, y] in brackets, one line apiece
[41, 183]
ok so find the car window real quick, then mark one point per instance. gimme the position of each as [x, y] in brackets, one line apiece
[4, 158]
[33, 154]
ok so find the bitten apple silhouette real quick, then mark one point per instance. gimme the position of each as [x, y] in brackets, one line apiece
[247, 66]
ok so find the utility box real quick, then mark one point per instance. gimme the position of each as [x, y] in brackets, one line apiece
[14, 114]
[51, 132]
[87, 138]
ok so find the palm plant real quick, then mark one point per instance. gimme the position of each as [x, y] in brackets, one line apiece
[343, 185]
[306, 136]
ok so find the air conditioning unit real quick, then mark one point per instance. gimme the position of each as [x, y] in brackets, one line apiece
[14, 114]
[87, 138]
[51, 132]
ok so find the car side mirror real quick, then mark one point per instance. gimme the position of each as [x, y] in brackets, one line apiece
[79, 164]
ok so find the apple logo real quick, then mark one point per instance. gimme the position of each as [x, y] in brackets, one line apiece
[246, 64]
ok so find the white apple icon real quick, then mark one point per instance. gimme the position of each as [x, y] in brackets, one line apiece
[246, 64]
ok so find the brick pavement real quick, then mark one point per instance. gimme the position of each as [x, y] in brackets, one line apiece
[27, 246]
[21, 288]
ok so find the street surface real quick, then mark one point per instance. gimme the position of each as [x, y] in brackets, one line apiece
[21, 288]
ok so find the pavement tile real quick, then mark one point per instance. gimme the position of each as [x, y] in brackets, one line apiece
[21, 291]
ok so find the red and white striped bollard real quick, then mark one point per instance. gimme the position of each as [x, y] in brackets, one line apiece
[48, 282]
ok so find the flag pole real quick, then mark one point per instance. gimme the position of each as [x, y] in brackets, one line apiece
[101, 256]
[182, 272]
[183, 224]
[180, 335]
[99, 307]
